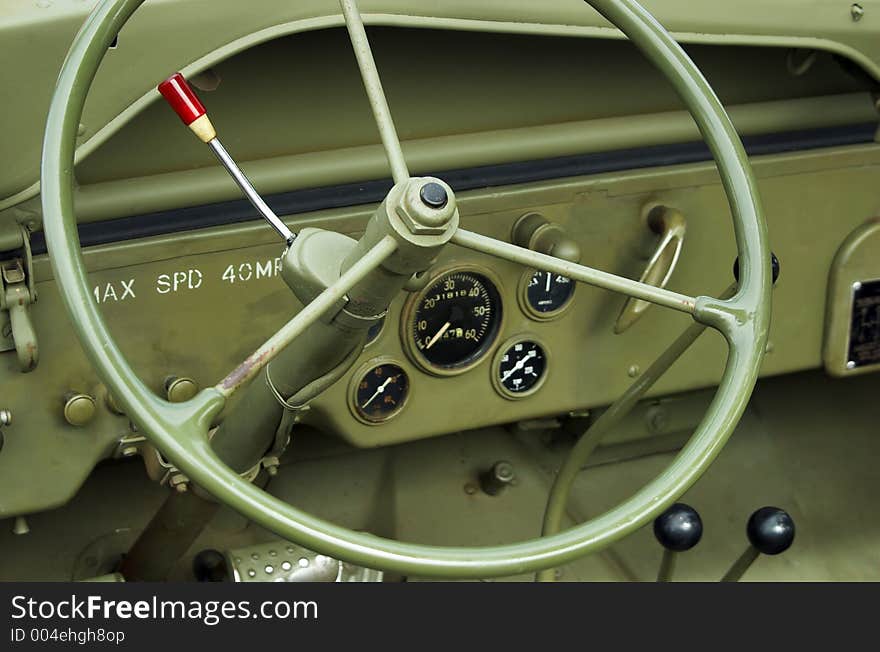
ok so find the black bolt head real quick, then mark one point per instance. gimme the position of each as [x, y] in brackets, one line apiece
[774, 264]
[770, 530]
[679, 528]
[434, 195]
[210, 566]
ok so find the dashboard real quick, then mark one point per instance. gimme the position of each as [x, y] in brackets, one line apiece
[190, 283]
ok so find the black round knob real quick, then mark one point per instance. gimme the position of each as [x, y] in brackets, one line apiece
[770, 530]
[774, 264]
[433, 195]
[679, 528]
[210, 566]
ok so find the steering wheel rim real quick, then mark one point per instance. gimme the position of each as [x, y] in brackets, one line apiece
[179, 431]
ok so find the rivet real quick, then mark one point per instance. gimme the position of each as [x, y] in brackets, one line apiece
[633, 371]
[269, 569]
[272, 553]
[850, 365]
[303, 562]
[286, 566]
[252, 573]
[254, 556]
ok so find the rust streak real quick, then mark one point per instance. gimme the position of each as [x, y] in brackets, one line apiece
[242, 371]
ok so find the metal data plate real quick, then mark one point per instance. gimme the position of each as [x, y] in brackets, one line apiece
[864, 335]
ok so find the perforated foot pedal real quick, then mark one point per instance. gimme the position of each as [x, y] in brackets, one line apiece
[282, 561]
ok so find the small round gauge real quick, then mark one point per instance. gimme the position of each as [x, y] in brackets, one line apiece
[380, 393]
[520, 368]
[453, 322]
[545, 294]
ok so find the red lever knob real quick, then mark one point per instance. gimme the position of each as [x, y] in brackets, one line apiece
[182, 99]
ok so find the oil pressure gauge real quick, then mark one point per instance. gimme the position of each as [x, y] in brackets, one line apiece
[379, 391]
[545, 295]
[520, 368]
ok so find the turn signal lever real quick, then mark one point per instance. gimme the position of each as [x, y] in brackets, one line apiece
[678, 529]
[771, 532]
[186, 104]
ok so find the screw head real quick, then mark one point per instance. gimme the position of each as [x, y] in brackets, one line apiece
[433, 195]
[857, 12]
[79, 409]
[180, 389]
[5, 418]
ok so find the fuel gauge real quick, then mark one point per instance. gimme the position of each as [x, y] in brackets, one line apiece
[380, 392]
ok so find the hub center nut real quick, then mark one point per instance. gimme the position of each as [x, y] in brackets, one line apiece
[427, 206]
[433, 195]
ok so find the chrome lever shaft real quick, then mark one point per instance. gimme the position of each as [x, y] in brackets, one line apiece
[250, 192]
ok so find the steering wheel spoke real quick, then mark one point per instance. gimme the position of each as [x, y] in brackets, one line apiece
[375, 93]
[311, 313]
[575, 271]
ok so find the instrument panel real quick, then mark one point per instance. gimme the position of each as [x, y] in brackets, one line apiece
[452, 326]
[194, 305]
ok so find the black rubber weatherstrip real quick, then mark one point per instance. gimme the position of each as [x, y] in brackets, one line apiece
[505, 174]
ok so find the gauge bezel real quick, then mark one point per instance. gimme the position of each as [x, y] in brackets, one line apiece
[523, 297]
[408, 315]
[496, 367]
[355, 381]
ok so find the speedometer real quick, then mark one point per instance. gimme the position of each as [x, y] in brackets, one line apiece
[453, 322]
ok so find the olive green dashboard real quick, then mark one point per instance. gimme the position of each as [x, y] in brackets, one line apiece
[195, 304]
[190, 294]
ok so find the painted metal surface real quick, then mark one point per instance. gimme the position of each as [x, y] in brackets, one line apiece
[744, 320]
[120, 95]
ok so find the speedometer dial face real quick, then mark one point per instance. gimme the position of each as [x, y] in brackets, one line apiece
[455, 321]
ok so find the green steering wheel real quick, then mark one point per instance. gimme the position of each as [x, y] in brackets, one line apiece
[180, 431]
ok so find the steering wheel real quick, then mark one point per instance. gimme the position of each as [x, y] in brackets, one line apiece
[180, 430]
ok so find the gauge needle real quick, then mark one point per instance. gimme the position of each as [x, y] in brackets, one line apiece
[519, 365]
[439, 334]
[547, 287]
[379, 390]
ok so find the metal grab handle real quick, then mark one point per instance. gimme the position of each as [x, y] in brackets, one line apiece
[671, 226]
